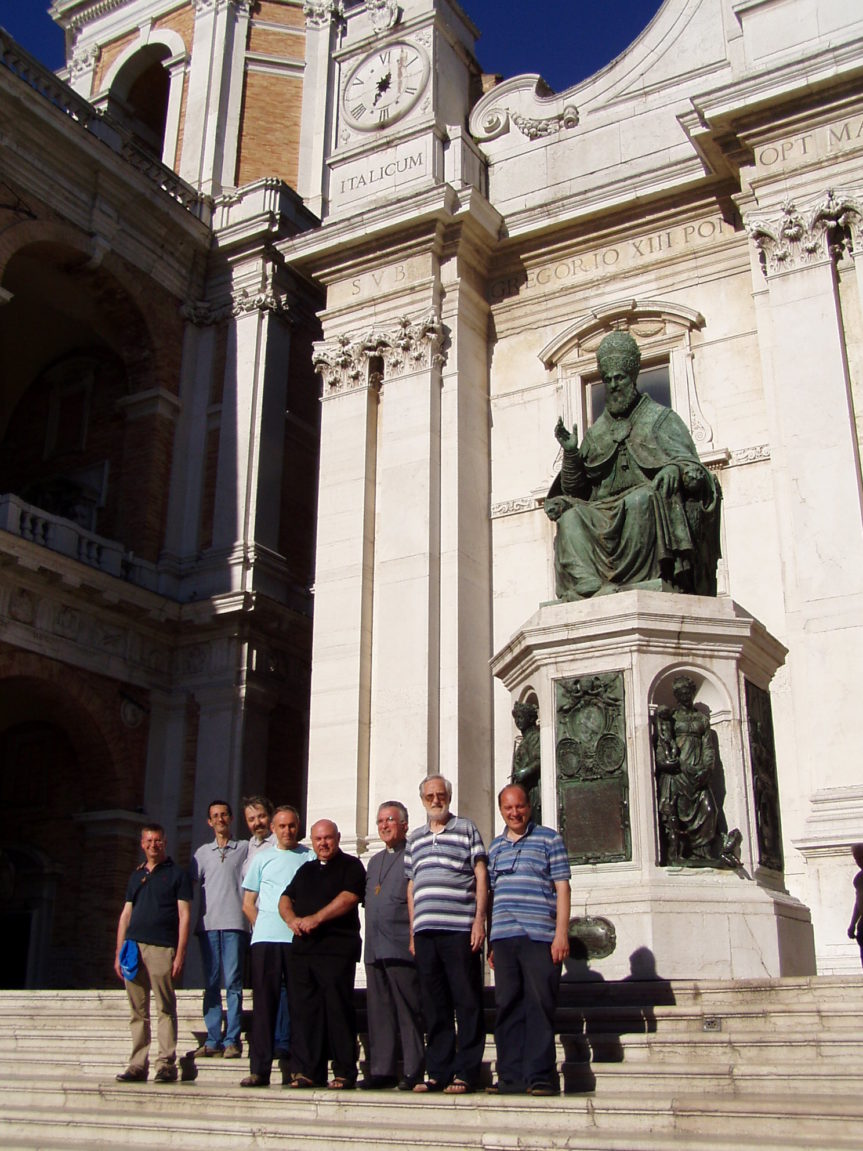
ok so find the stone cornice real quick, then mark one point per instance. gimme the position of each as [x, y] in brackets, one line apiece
[798, 237]
[330, 244]
[409, 345]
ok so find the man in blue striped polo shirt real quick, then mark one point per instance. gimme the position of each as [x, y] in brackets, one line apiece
[529, 940]
[445, 863]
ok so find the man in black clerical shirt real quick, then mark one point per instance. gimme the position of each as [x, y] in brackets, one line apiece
[320, 905]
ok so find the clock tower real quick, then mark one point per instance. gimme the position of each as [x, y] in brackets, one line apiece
[400, 683]
[401, 80]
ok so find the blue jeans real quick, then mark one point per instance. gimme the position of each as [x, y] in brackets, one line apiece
[223, 952]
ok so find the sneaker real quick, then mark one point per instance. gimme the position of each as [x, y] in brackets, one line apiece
[231, 1051]
[166, 1075]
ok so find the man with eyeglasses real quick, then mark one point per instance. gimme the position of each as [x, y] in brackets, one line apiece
[528, 942]
[392, 986]
[445, 863]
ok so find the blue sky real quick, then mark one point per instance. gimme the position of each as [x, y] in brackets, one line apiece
[563, 40]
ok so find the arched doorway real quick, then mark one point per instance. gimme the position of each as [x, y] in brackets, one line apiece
[67, 842]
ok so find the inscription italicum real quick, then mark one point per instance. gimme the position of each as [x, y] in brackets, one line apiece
[399, 167]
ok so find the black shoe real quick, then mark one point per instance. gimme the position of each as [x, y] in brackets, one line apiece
[255, 1081]
[165, 1075]
[378, 1083]
[543, 1088]
[409, 1082]
[133, 1075]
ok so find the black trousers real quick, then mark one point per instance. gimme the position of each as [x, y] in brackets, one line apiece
[269, 967]
[526, 983]
[323, 1021]
[451, 987]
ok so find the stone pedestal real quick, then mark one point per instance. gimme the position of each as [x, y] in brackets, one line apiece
[598, 669]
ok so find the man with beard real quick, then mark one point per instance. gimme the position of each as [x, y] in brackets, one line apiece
[634, 506]
[258, 812]
[445, 863]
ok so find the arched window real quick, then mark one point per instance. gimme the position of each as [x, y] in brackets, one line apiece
[138, 97]
[663, 331]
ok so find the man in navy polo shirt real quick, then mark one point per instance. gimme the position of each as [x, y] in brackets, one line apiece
[156, 916]
[445, 863]
[529, 940]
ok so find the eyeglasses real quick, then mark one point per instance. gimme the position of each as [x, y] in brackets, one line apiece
[435, 795]
[389, 819]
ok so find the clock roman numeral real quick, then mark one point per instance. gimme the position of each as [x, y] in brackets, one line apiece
[383, 115]
[358, 111]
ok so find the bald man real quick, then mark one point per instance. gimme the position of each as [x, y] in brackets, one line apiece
[321, 907]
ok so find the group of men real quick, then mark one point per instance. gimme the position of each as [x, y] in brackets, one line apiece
[430, 898]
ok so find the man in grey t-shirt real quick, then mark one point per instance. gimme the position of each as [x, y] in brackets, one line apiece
[222, 931]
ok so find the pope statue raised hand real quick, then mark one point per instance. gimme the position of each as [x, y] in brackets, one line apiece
[634, 505]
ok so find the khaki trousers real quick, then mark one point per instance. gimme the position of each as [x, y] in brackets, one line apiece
[154, 974]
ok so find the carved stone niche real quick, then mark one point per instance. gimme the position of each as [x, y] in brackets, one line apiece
[601, 667]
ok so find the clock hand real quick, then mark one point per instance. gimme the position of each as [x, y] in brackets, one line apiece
[382, 86]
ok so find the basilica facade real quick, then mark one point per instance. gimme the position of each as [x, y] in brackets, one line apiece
[292, 296]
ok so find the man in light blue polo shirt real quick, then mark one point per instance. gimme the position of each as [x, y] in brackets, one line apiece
[271, 871]
[529, 940]
[222, 931]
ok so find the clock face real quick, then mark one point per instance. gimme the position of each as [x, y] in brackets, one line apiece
[385, 85]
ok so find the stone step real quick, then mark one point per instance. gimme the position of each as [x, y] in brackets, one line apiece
[184, 1116]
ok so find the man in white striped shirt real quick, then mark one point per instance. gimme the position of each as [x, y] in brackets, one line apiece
[446, 867]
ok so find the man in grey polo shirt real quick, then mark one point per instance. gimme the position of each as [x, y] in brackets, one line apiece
[222, 931]
[446, 867]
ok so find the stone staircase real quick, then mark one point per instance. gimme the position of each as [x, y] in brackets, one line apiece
[772, 1065]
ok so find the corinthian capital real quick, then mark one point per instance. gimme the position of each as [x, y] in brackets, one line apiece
[319, 13]
[84, 59]
[347, 362]
[272, 301]
[798, 237]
